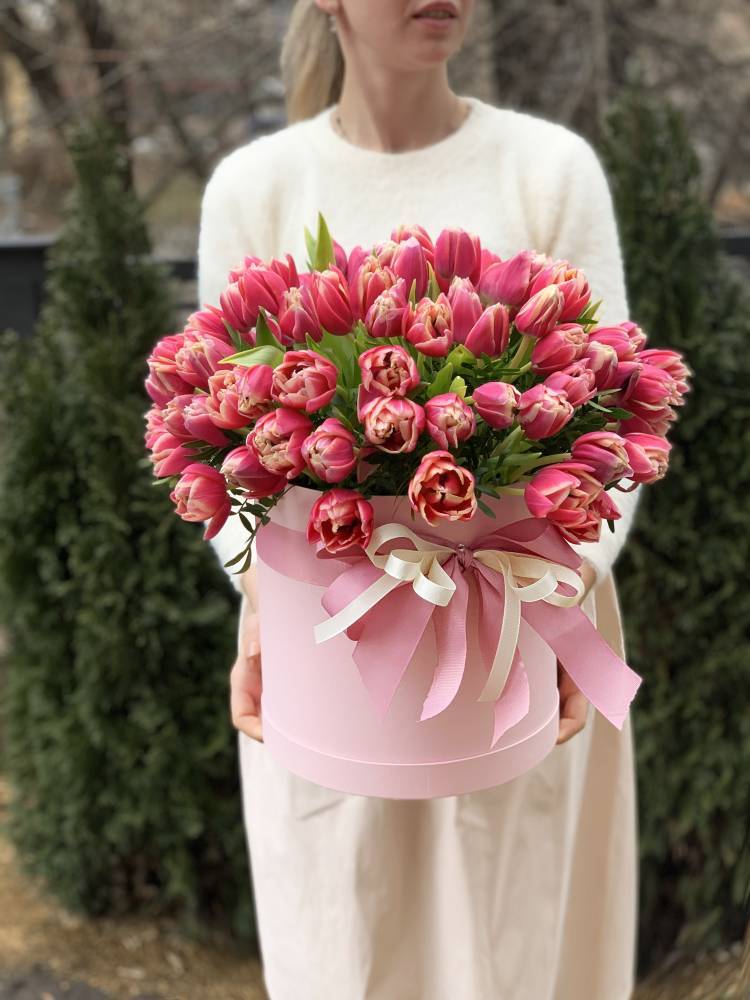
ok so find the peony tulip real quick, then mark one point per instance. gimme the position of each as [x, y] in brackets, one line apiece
[466, 307]
[540, 313]
[449, 419]
[242, 470]
[201, 495]
[388, 370]
[389, 312]
[341, 520]
[330, 451]
[605, 452]
[457, 252]
[496, 403]
[409, 262]
[576, 380]
[393, 424]
[277, 441]
[164, 381]
[507, 281]
[440, 490]
[199, 421]
[543, 412]
[200, 356]
[564, 494]
[429, 326]
[648, 455]
[254, 390]
[304, 380]
[491, 332]
[560, 347]
[330, 295]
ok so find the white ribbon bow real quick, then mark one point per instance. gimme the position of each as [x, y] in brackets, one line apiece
[421, 566]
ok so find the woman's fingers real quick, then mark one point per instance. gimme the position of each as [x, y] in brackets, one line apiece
[245, 688]
[573, 706]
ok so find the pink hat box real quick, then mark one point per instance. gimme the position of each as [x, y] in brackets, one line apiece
[319, 720]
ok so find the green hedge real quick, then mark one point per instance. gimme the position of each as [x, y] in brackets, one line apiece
[683, 575]
[121, 623]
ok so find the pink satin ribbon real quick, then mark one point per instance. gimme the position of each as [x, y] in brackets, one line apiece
[388, 633]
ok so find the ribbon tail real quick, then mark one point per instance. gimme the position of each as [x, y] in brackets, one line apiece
[389, 638]
[606, 680]
[506, 648]
[450, 636]
[513, 704]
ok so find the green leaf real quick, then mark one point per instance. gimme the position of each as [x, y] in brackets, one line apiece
[324, 252]
[458, 386]
[413, 292]
[441, 381]
[311, 248]
[233, 334]
[264, 337]
[433, 288]
[264, 355]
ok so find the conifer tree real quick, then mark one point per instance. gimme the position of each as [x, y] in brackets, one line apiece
[121, 625]
[683, 575]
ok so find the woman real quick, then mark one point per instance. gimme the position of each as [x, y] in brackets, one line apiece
[522, 892]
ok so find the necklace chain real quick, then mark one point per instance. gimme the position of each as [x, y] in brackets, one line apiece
[342, 130]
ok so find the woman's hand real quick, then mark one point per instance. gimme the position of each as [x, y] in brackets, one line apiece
[573, 702]
[246, 682]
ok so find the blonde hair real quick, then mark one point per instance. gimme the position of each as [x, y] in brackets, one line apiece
[312, 63]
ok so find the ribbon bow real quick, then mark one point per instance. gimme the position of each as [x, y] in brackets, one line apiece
[422, 567]
[384, 602]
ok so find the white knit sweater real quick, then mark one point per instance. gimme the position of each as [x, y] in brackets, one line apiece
[515, 179]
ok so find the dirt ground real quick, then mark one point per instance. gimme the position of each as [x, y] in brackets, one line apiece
[47, 954]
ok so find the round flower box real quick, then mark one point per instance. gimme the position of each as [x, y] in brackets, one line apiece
[326, 722]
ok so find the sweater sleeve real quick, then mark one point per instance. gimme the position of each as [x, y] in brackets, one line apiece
[588, 237]
[222, 245]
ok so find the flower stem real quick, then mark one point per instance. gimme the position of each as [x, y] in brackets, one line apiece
[519, 358]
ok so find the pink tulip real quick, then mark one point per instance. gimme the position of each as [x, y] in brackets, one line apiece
[223, 401]
[576, 380]
[201, 495]
[409, 262]
[466, 307]
[617, 338]
[367, 282]
[254, 390]
[673, 363]
[564, 494]
[601, 358]
[560, 347]
[173, 417]
[496, 403]
[440, 490]
[200, 356]
[330, 451]
[388, 371]
[208, 320]
[242, 470]
[393, 424]
[648, 455]
[605, 452]
[649, 394]
[169, 456]
[507, 281]
[491, 332]
[297, 316]
[543, 412]
[262, 286]
[286, 269]
[638, 337]
[449, 419]
[304, 380]
[341, 520]
[402, 232]
[572, 283]
[389, 312]
[457, 252]
[330, 294]
[164, 380]
[541, 313]
[199, 421]
[429, 326]
[277, 441]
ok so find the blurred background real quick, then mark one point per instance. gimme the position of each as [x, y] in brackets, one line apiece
[123, 870]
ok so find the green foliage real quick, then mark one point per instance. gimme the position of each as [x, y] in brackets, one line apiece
[682, 577]
[121, 624]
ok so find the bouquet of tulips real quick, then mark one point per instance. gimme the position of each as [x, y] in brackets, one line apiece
[436, 370]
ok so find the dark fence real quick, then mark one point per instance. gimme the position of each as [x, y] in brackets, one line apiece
[22, 277]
